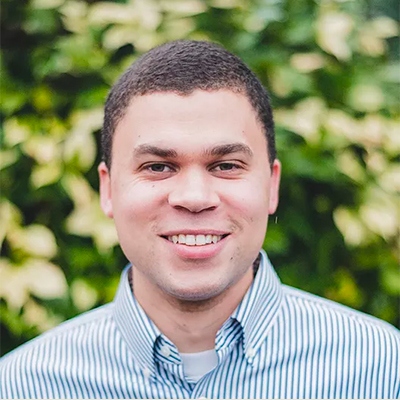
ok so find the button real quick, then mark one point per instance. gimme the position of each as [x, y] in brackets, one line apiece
[146, 373]
[251, 352]
[165, 351]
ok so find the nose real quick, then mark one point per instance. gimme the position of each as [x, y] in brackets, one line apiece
[194, 192]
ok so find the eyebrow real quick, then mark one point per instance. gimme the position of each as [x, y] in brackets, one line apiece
[225, 149]
[219, 150]
[145, 149]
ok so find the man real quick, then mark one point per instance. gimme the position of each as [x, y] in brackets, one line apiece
[190, 176]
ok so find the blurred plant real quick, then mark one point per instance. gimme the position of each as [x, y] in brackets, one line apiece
[333, 78]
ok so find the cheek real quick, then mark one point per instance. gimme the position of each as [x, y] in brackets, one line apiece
[136, 203]
[248, 202]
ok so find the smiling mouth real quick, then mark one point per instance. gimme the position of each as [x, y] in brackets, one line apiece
[195, 240]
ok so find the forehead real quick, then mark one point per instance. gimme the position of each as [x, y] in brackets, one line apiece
[201, 119]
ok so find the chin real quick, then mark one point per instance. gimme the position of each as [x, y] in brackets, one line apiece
[196, 294]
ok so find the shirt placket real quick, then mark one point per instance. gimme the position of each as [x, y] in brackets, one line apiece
[169, 365]
[228, 338]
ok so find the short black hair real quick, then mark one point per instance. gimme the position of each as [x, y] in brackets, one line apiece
[183, 66]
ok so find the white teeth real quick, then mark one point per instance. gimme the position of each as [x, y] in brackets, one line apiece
[200, 240]
[194, 240]
[190, 240]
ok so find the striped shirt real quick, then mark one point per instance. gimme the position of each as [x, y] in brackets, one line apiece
[279, 343]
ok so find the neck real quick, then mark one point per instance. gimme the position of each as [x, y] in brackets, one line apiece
[191, 325]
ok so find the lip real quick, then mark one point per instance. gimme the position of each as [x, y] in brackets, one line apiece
[197, 252]
[194, 232]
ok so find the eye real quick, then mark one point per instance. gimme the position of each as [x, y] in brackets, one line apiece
[158, 167]
[226, 166]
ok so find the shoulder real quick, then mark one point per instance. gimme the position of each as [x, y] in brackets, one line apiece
[357, 353]
[87, 321]
[337, 316]
[51, 354]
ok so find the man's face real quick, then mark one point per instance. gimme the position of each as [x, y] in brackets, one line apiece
[190, 190]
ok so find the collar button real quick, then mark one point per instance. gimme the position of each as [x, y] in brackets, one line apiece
[250, 353]
[165, 351]
[146, 373]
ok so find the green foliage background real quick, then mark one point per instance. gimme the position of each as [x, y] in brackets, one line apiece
[333, 73]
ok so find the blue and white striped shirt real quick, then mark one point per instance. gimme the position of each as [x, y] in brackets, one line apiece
[279, 343]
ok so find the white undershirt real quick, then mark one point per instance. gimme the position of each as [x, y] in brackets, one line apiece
[196, 365]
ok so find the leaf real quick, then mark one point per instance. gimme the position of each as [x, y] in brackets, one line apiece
[390, 179]
[391, 280]
[340, 123]
[345, 289]
[305, 119]
[228, 4]
[15, 132]
[390, 72]
[348, 163]
[10, 218]
[80, 146]
[185, 8]
[351, 227]
[370, 43]
[80, 149]
[45, 4]
[365, 97]
[42, 99]
[380, 213]
[12, 100]
[118, 36]
[74, 16]
[83, 295]
[104, 13]
[44, 279]
[89, 220]
[8, 157]
[333, 28]
[307, 62]
[12, 285]
[35, 240]
[78, 189]
[391, 140]
[41, 21]
[44, 149]
[385, 26]
[79, 53]
[47, 174]
[275, 241]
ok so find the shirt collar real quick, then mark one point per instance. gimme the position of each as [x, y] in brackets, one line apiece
[259, 308]
[256, 314]
[137, 329]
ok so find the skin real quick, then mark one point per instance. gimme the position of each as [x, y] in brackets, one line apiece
[183, 163]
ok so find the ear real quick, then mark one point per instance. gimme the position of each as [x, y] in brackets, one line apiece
[105, 190]
[274, 186]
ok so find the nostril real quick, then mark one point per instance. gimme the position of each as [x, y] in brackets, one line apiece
[193, 209]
